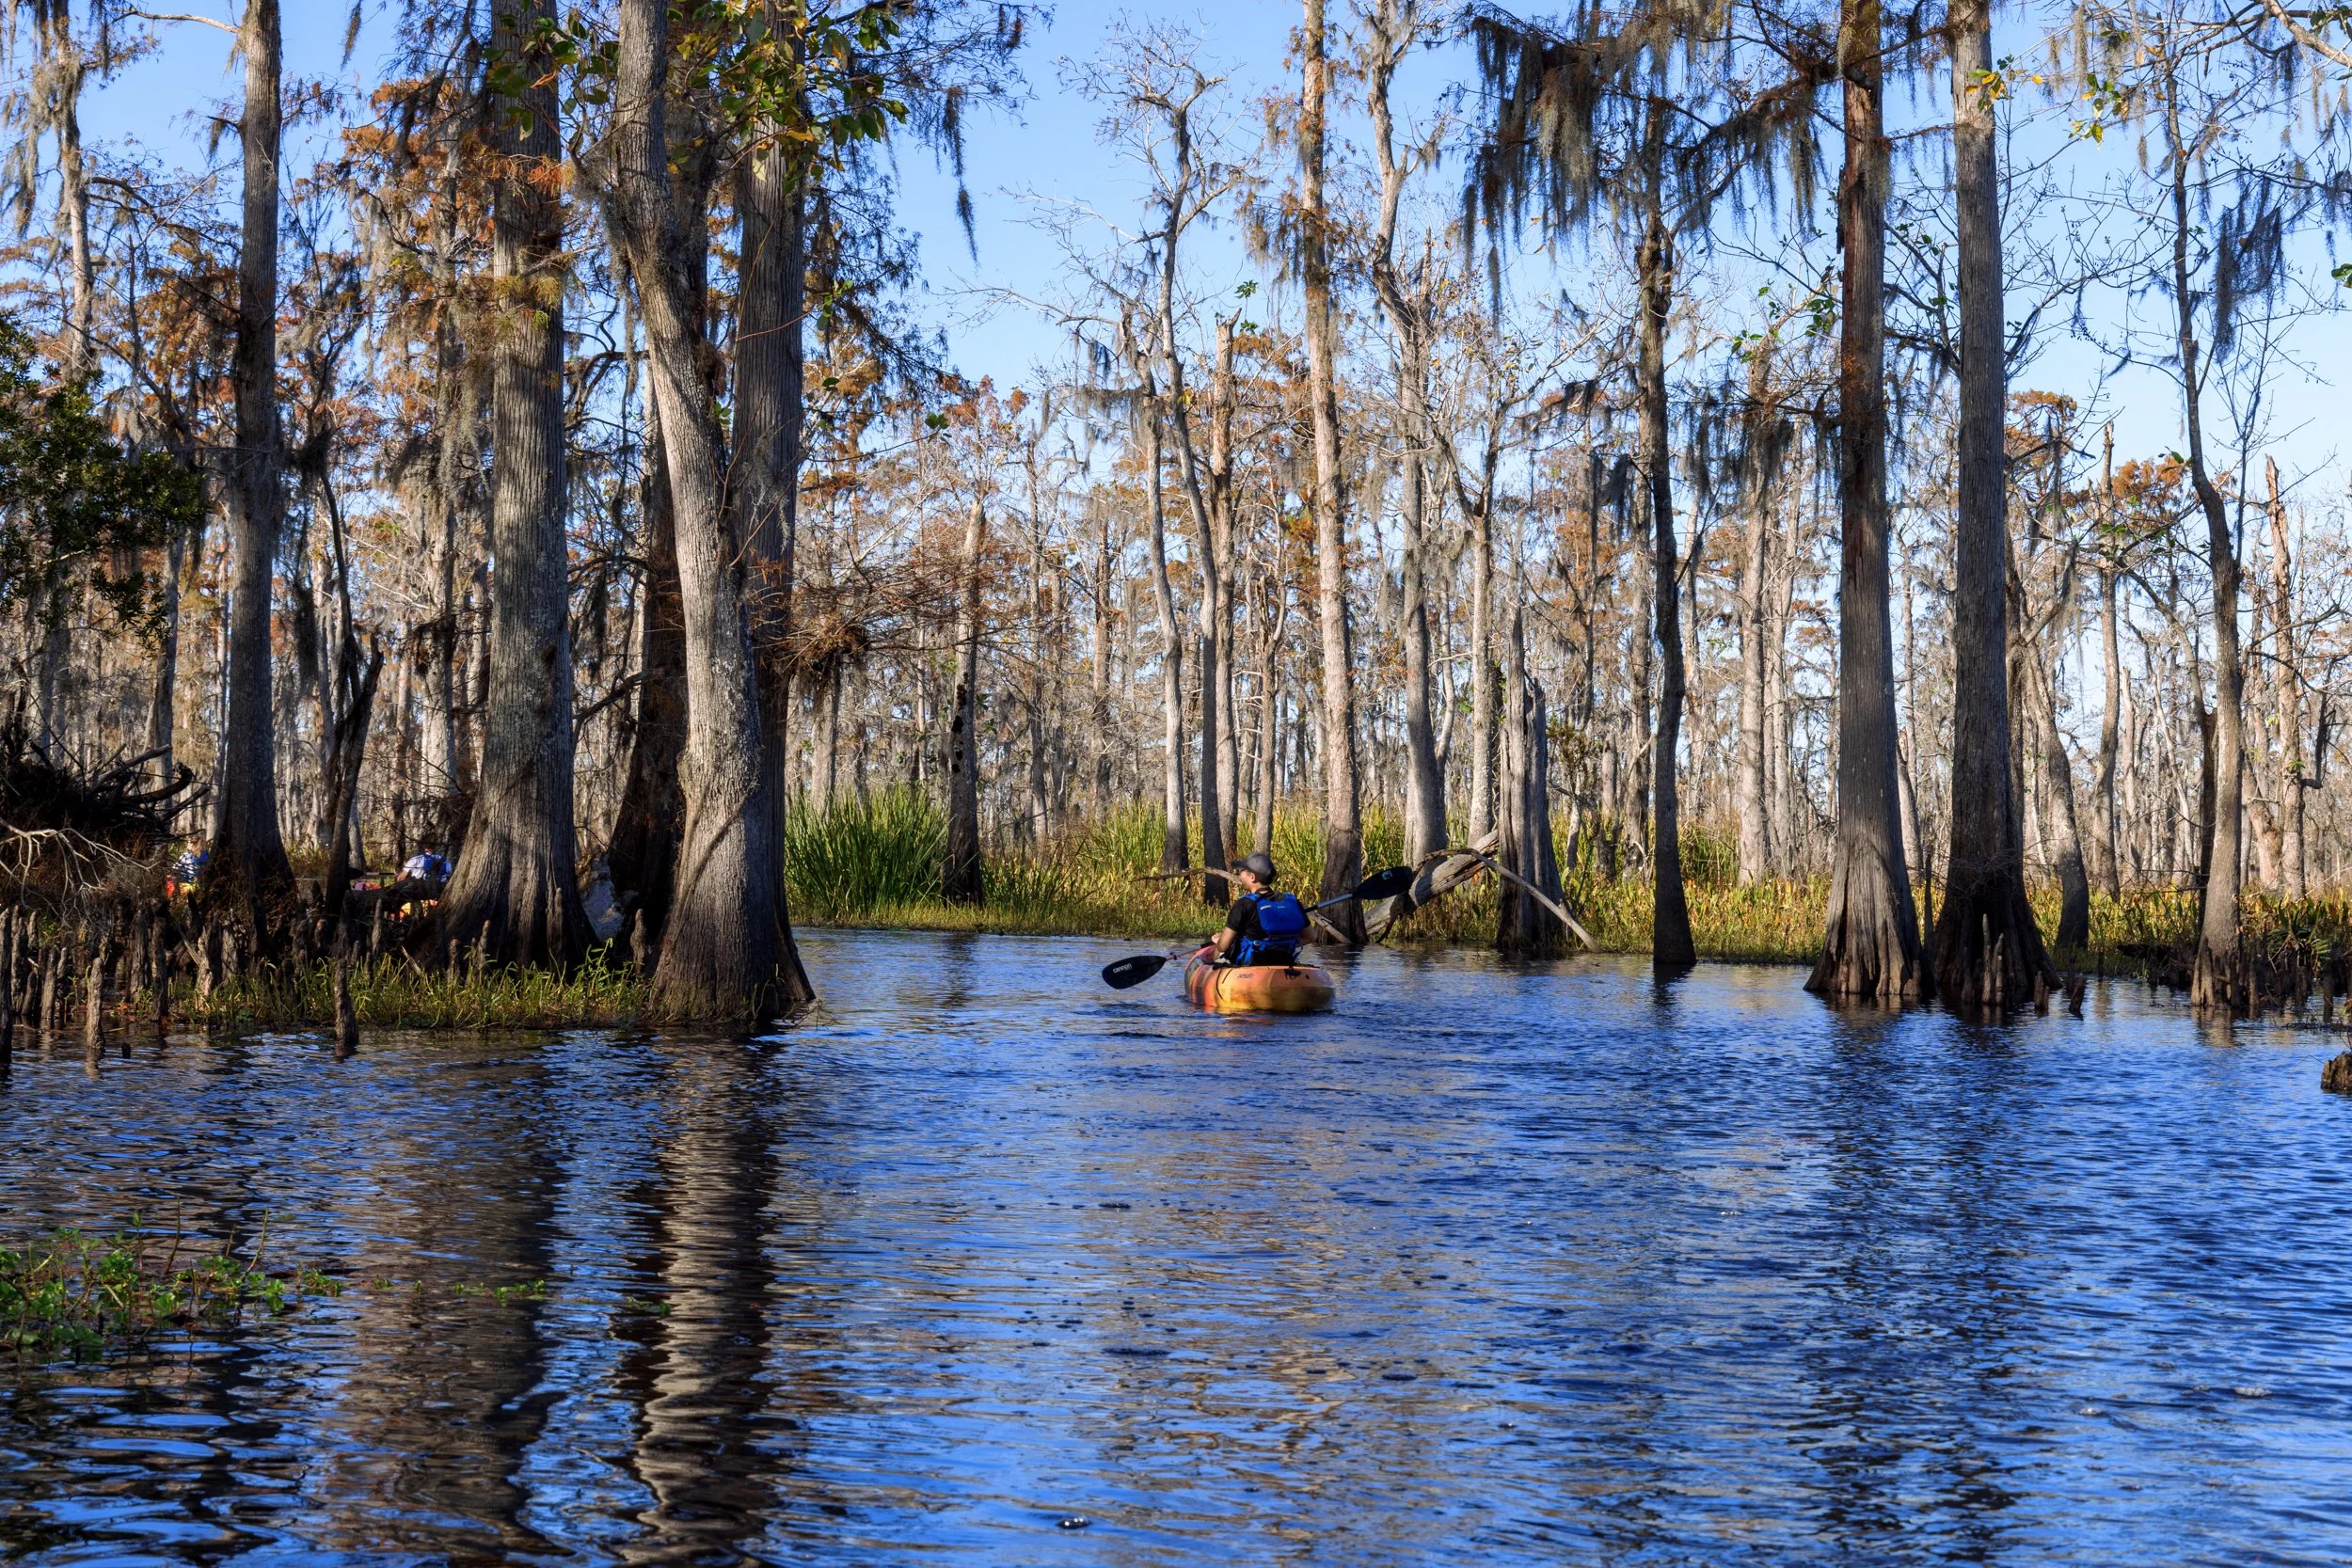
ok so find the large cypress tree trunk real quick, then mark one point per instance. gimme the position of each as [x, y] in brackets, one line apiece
[248, 870]
[770, 365]
[1873, 946]
[724, 951]
[1343, 826]
[1988, 950]
[1670, 922]
[515, 895]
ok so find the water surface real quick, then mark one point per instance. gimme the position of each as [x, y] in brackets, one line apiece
[1494, 1264]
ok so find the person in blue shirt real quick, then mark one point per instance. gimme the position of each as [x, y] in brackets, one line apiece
[1263, 926]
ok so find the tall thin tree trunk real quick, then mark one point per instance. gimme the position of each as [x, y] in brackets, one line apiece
[1175, 852]
[2294, 874]
[1394, 32]
[248, 868]
[1176, 410]
[1873, 946]
[1751, 794]
[1988, 950]
[2111, 655]
[437, 736]
[1343, 826]
[2217, 980]
[1671, 945]
[161, 734]
[959, 876]
[725, 948]
[1223, 404]
[515, 895]
[67, 69]
[1481, 673]
[829, 744]
[1269, 731]
[1424, 780]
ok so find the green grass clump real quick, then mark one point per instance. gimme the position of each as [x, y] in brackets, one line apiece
[73, 1294]
[860, 855]
[393, 992]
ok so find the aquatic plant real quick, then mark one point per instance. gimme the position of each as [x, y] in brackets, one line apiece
[72, 1294]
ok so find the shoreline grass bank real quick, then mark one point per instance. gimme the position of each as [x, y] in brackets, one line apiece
[875, 864]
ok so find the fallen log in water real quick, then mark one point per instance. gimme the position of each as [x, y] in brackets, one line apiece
[1441, 873]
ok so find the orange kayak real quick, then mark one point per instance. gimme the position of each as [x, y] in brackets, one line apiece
[1261, 989]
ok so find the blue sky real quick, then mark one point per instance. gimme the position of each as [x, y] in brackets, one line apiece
[1046, 151]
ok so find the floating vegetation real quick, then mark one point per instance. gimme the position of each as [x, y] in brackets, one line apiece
[75, 1294]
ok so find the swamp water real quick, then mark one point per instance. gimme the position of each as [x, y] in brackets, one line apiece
[1494, 1264]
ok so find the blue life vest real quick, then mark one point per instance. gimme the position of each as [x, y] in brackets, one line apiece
[1283, 920]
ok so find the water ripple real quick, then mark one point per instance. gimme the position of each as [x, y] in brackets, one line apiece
[981, 1264]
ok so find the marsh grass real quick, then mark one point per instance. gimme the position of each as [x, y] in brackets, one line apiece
[392, 991]
[876, 865]
[71, 1294]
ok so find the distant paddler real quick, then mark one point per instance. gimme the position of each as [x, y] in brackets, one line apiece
[1252, 965]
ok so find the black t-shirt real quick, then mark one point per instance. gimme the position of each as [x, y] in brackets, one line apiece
[1242, 919]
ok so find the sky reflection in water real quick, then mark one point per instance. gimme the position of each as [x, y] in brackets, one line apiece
[1493, 1265]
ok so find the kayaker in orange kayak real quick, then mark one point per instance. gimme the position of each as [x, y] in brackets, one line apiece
[1263, 926]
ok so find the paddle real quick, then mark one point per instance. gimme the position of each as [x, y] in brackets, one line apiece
[1128, 972]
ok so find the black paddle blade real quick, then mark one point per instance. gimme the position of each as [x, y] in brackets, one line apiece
[1385, 885]
[1134, 971]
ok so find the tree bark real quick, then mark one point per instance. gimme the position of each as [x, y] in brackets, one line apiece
[1175, 852]
[1753, 798]
[2111, 656]
[1671, 945]
[67, 70]
[454, 391]
[248, 870]
[1524, 925]
[651, 817]
[961, 873]
[2294, 872]
[1988, 950]
[1393, 33]
[515, 895]
[1871, 951]
[1176, 408]
[725, 950]
[1482, 672]
[764, 481]
[1343, 826]
[2217, 980]
[2064, 828]
[1224, 402]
